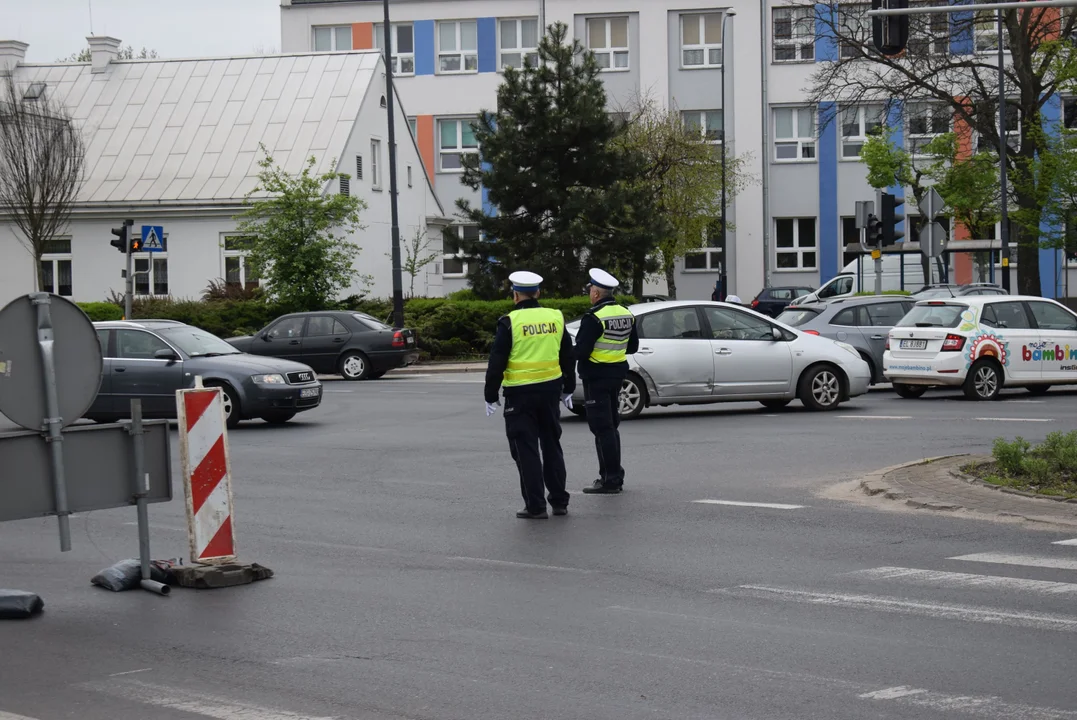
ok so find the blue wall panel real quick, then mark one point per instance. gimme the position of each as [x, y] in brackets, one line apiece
[961, 40]
[826, 43]
[1052, 262]
[424, 47]
[895, 119]
[487, 28]
[829, 227]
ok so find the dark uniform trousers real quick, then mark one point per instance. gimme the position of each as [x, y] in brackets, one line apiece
[533, 422]
[601, 403]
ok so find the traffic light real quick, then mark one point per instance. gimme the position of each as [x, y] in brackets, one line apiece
[136, 244]
[890, 33]
[890, 217]
[875, 232]
[124, 242]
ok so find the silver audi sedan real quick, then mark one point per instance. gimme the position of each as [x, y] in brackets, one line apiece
[694, 352]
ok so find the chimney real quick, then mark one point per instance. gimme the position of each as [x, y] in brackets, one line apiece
[103, 50]
[12, 52]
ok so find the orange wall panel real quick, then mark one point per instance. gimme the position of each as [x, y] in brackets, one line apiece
[362, 36]
[962, 262]
[424, 130]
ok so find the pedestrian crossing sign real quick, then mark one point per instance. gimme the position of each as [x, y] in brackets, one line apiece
[153, 238]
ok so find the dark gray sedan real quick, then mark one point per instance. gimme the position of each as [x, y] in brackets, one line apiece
[862, 322]
[152, 359]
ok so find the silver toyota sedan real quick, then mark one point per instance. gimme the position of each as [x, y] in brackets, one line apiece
[696, 352]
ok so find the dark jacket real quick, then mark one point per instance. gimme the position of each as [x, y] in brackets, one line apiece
[589, 333]
[499, 360]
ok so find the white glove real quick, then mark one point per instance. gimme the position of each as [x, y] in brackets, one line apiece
[491, 408]
[566, 398]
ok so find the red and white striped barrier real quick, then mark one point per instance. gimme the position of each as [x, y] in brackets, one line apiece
[207, 477]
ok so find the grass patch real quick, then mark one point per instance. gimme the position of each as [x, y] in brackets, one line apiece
[1049, 468]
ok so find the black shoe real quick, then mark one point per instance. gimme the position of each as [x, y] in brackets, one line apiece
[560, 510]
[600, 488]
[528, 515]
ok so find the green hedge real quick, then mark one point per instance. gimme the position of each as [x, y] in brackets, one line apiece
[446, 328]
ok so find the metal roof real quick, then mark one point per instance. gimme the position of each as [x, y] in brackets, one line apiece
[189, 130]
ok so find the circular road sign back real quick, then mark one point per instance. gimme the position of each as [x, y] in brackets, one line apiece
[76, 357]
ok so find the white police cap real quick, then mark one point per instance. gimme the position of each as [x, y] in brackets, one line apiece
[602, 279]
[524, 281]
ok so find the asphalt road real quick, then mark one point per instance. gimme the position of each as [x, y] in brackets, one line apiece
[406, 588]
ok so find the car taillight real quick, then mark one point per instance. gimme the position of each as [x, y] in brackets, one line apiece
[755, 303]
[811, 332]
[953, 343]
[887, 345]
[398, 339]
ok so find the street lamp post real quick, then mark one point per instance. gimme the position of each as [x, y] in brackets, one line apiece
[723, 275]
[398, 280]
[1002, 169]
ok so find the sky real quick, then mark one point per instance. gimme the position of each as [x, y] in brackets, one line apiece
[174, 28]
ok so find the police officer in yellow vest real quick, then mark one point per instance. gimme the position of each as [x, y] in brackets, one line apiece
[532, 359]
[607, 334]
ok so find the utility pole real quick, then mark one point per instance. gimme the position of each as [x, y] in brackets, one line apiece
[723, 275]
[1004, 214]
[398, 280]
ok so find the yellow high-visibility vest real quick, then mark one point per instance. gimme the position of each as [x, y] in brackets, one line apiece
[536, 346]
[617, 324]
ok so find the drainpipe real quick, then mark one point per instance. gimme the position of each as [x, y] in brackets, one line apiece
[766, 143]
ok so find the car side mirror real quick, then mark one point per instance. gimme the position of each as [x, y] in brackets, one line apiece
[776, 334]
[265, 336]
[165, 354]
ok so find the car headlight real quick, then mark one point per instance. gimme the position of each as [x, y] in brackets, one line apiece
[848, 348]
[274, 379]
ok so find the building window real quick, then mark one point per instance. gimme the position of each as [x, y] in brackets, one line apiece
[709, 256]
[413, 125]
[857, 124]
[854, 29]
[1013, 130]
[455, 259]
[794, 34]
[850, 240]
[375, 164]
[457, 140]
[402, 53]
[332, 38]
[56, 267]
[986, 32]
[409, 175]
[705, 123]
[1070, 238]
[794, 134]
[458, 47]
[151, 273]
[238, 272]
[519, 42]
[701, 40]
[1069, 114]
[607, 38]
[794, 244]
[926, 122]
[929, 34]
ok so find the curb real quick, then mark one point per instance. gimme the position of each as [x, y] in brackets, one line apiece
[957, 474]
[435, 369]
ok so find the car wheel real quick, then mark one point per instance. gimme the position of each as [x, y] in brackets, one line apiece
[632, 398]
[375, 374]
[820, 388]
[774, 404]
[354, 366]
[983, 381]
[909, 392]
[1038, 389]
[278, 418]
[230, 401]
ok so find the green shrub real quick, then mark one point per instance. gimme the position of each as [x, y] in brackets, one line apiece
[465, 294]
[1010, 455]
[101, 311]
[1060, 450]
[1037, 470]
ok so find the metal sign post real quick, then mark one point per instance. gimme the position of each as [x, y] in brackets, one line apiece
[53, 422]
[142, 492]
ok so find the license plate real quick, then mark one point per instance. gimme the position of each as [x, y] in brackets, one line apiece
[309, 392]
[411, 341]
[914, 344]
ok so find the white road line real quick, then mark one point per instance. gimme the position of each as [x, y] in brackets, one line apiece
[509, 563]
[1028, 560]
[1012, 419]
[939, 611]
[1065, 542]
[876, 417]
[980, 706]
[198, 703]
[130, 672]
[737, 503]
[939, 578]
[1029, 402]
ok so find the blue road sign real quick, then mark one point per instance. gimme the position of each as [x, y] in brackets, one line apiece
[153, 238]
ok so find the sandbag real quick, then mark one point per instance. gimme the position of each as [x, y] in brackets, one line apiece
[126, 575]
[17, 604]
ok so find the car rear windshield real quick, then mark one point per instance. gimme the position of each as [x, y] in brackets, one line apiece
[944, 315]
[371, 322]
[797, 316]
[196, 342]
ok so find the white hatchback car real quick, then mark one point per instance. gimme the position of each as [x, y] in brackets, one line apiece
[694, 352]
[982, 344]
